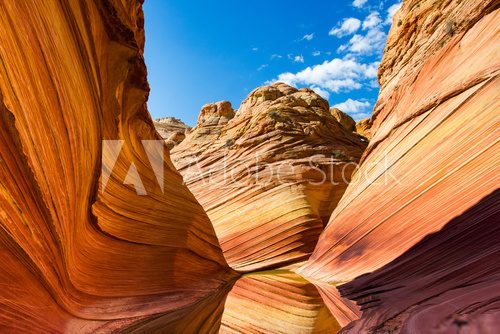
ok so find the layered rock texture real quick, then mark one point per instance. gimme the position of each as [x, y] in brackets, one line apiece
[291, 304]
[419, 211]
[269, 174]
[81, 251]
[171, 129]
[100, 233]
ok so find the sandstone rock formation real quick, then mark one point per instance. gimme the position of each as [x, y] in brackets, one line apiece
[82, 251]
[363, 127]
[171, 129]
[99, 233]
[345, 120]
[269, 174]
[291, 304]
[433, 156]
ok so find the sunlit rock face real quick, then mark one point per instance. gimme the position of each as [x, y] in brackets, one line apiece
[363, 127]
[344, 119]
[78, 254]
[433, 156]
[268, 174]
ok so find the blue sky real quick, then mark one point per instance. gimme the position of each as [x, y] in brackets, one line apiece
[199, 52]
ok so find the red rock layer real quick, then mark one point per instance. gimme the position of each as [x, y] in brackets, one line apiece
[276, 302]
[269, 174]
[72, 74]
[433, 155]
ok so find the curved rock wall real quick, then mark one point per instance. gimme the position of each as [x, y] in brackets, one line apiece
[433, 155]
[72, 74]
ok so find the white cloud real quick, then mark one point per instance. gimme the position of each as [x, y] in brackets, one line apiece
[372, 21]
[358, 109]
[321, 92]
[298, 59]
[374, 84]
[276, 56]
[255, 49]
[372, 42]
[316, 53]
[374, 39]
[359, 3]
[308, 37]
[347, 27]
[391, 11]
[335, 75]
[261, 67]
[342, 48]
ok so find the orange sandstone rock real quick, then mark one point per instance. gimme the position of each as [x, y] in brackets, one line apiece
[345, 120]
[363, 127]
[77, 256]
[276, 301]
[433, 156]
[269, 174]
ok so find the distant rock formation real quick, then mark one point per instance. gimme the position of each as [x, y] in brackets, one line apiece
[345, 120]
[269, 174]
[363, 127]
[419, 211]
[171, 129]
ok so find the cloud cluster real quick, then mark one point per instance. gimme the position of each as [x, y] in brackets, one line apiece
[373, 20]
[356, 68]
[336, 75]
[359, 3]
[358, 109]
[371, 39]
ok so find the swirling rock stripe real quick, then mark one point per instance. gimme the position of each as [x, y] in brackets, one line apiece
[72, 74]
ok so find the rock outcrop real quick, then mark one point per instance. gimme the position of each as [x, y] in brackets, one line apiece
[345, 120]
[171, 129]
[269, 174]
[427, 173]
[291, 304]
[363, 127]
[82, 248]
